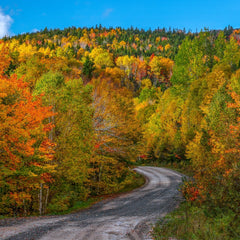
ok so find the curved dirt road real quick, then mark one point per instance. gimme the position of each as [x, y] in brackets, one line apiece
[129, 216]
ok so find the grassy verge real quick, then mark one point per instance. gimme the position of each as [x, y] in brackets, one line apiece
[192, 222]
[79, 205]
[137, 181]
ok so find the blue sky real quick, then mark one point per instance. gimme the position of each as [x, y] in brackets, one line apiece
[19, 16]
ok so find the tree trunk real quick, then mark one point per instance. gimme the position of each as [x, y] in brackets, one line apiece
[99, 177]
[46, 200]
[40, 198]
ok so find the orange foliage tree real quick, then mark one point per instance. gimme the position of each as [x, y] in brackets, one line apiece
[25, 151]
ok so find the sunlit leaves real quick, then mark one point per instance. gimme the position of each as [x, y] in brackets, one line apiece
[101, 57]
[26, 152]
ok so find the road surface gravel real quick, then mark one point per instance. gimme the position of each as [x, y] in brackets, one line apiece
[129, 216]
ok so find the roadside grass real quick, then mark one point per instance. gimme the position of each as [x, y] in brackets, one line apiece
[137, 181]
[77, 206]
[190, 222]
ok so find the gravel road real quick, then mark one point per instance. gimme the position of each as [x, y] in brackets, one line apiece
[129, 216]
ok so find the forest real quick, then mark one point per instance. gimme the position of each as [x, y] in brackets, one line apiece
[81, 106]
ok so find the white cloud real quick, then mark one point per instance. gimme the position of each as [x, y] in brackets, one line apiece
[35, 30]
[5, 23]
[107, 12]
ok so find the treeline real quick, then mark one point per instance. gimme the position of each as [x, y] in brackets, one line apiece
[79, 106]
[119, 41]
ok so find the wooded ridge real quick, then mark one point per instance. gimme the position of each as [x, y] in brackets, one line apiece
[80, 106]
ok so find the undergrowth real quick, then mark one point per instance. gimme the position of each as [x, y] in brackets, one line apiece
[190, 222]
[61, 207]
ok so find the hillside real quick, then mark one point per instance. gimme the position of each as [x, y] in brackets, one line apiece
[80, 106]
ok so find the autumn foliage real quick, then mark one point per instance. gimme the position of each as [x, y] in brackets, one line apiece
[26, 152]
[79, 106]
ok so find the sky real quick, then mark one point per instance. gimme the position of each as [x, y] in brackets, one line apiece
[22, 16]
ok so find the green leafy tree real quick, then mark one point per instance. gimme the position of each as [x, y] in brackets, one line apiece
[88, 67]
